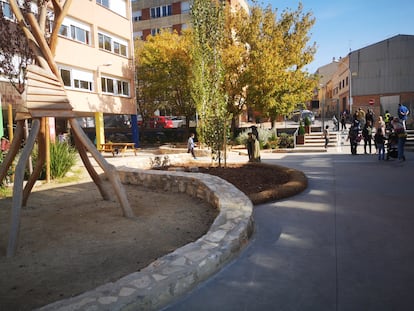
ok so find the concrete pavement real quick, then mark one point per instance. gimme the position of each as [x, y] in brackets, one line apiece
[345, 243]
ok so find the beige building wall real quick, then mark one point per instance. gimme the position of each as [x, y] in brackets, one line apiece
[96, 62]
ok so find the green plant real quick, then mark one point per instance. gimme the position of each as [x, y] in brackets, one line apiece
[264, 136]
[307, 121]
[301, 130]
[9, 172]
[285, 141]
[62, 157]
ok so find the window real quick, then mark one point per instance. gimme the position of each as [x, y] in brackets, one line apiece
[112, 44]
[75, 30]
[139, 35]
[105, 42]
[115, 87]
[77, 79]
[155, 31]
[123, 88]
[105, 3]
[7, 12]
[118, 6]
[81, 84]
[65, 74]
[79, 34]
[64, 31]
[185, 7]
[161, 11]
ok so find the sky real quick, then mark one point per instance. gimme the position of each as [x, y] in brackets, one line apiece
[344, 26]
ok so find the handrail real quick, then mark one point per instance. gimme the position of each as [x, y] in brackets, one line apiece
[294, 137]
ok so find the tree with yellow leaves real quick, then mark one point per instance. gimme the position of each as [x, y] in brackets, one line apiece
[266, 57]
[163, 66]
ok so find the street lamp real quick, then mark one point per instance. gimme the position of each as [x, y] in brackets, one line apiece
[323, 105]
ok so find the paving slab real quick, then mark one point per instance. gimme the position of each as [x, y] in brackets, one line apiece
[345, 243]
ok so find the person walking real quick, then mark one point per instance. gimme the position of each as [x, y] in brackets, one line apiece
[367, 134]
[191, 145]
[326, 135]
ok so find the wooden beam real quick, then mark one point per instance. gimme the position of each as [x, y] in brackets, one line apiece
[44, 47]
[60, 14]
[18, 188]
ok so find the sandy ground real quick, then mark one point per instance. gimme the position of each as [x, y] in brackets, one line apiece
[72, 241]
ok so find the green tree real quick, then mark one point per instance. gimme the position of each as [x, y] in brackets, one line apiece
[164, 74]
[208, 74]
[278, 51]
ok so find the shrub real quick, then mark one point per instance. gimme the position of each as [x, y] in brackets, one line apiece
[62, 158]
[301, 130]
[9, 173]
[264, 136]
[285, 141]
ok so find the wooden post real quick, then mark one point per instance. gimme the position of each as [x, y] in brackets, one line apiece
[99, 129]
[18, 189]
[10, 124]
[46, 132]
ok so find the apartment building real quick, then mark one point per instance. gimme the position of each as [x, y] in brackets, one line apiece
[150, 16]
[95, 58]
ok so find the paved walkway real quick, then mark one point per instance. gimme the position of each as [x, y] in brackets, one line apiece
[345, 243]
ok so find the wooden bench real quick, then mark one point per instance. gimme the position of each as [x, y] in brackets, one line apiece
[117, 148]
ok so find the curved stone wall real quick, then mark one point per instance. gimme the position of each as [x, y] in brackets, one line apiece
[177, 272]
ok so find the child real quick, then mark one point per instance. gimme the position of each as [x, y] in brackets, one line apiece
[379, 139]
[326, 136]
[191, 145]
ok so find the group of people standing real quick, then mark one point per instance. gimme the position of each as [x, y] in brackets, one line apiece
[387, 128]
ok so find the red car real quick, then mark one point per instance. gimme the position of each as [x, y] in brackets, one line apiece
[159, 122]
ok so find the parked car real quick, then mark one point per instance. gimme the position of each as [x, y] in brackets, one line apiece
[178, 121]
[158, 122]
[300, 115]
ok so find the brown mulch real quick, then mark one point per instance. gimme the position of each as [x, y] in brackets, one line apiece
[261, 182]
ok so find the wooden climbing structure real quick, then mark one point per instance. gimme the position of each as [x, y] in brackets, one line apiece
[46, 97]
